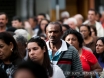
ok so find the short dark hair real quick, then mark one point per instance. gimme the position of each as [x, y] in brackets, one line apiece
[43, 14]
[34, 68]
[76, 33]
[46, 61]
[66, 26]
[54, 23]
[93, 10]
[87, 26]
[34, 18]
[17, 18]
[1, 13]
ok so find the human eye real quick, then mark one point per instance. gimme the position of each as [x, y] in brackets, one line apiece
[1, 46]
[28, 50]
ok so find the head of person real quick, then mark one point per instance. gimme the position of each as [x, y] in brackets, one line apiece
[72, 22]
[79, 19]
[33, 21]
[3, 19]
[21, 42]
[74, 38]
[54, 32]
[65, 27]
[29, 69]
[8, 48]
[38, 52]
[16, 22]
[93, 31]
[65, 15]
[40, 17]
[85, 31]
[98, 16]
[43, 23]
[92, 15]
[100, 48]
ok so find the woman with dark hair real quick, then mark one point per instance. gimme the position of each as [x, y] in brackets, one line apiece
[65, 27]
[89, 41]
[9, 56]
[42, 25]
[93, 31]
[37, 52]
[99, 53]
[28, 69]
[88, 60]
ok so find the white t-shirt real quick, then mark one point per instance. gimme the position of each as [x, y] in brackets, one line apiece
[57, 72]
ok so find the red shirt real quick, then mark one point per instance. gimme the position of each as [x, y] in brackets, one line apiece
[87, 59]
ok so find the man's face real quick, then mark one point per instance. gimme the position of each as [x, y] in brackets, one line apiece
[53, 33]
[3, 20]
[40, 17]
[16, 24]
[91, 15]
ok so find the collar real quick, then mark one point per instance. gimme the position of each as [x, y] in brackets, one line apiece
[62, 48]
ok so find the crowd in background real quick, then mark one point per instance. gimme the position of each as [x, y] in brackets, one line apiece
[40, 48]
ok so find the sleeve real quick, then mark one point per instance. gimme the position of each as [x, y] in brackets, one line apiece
[57, 72]
[76, 63]
[91, 58]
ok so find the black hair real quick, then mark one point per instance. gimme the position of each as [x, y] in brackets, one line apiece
[94, 28]
[7, 38]
[102, 54]
[1, 13]
[77, 34]
[3, 73]
[66, 26]
[40, 30]
[87, 26]
[34, 68]
[34, 18]
[46, 61]
[54, 23]
[16, 18]
[43, 14]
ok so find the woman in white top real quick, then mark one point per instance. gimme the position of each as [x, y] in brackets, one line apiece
[37, 52]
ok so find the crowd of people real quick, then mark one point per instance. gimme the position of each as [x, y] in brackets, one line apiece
[72, 47]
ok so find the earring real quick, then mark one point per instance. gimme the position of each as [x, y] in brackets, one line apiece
[11, 50]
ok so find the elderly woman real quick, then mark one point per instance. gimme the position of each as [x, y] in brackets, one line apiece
[88, 60]
[9, 56]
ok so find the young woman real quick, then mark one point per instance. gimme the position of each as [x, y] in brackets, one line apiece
[88, 60]
[37, 51]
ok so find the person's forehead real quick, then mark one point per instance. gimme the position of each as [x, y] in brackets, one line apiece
[3, 16]
[91, 12]
[53, 27]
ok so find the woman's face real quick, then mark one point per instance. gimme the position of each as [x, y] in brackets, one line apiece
[5, 50]
[23, 73]
[35, 52]
[43, 24]
[84, 31]
[99, 47]
[92, 33]
[72, 39]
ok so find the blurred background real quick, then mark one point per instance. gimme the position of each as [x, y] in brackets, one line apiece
[27, 8]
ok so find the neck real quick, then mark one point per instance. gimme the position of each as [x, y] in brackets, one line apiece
[6, 62]
[92, 22]
[80, 51]
[2, 28]
[55, 47]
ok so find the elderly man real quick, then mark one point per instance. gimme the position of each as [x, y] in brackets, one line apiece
[61, 53]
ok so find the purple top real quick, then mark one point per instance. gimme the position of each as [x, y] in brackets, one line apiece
[100, 62]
